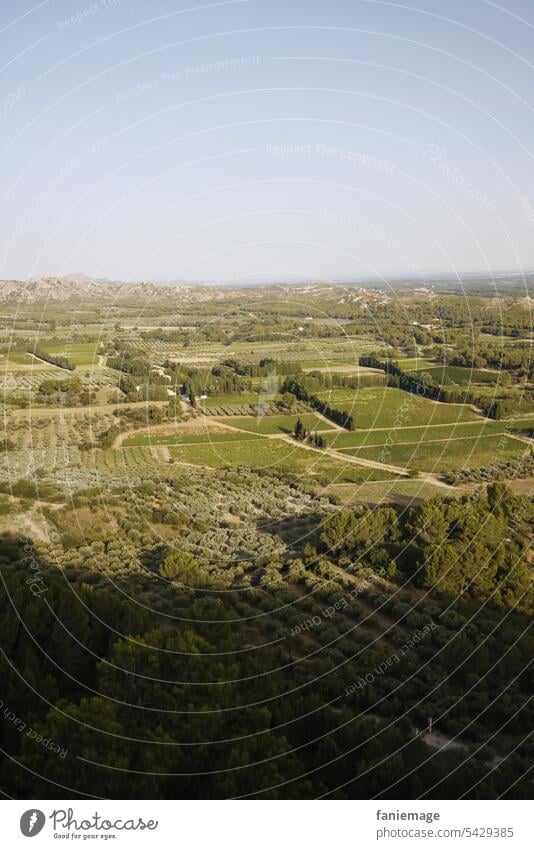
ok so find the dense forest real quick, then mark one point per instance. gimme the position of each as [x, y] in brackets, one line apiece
[103, 698]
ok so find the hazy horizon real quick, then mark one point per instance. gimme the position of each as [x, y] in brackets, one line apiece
[379, 281]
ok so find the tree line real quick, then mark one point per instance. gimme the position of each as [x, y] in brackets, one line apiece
[55, 359]
[300, 391]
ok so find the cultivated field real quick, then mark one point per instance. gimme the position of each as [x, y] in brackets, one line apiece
[442, 455]
[378, 407]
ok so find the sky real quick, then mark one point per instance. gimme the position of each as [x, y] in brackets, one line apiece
[266, 139]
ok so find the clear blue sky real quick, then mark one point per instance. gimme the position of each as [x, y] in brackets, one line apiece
[266, 138]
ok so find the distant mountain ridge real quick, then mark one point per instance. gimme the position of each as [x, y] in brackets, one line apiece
[81, 287]
[76, 287]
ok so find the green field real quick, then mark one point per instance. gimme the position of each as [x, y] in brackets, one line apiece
[277, 424]
[414, 363]
[185, 439]
[387, 407]
[441, 456]
[367, 438]
[249, 453]
[79, 353]
[18, 358]
[392, 491]
[498, 339]
[275, 455]
[236, 400]
[129, 462]
[326, 363]
[446, 375]
[329, 471]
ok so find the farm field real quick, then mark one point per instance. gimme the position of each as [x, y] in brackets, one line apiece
[342, 440]
[134, 462]
[437, 457]
[16, 358]
[277, 455]
[304, 352]
[446, 375]
[392, 426]
[414, 363]
[376, 407]
[338, 367]
[278, 424]
[31, 378]
[236, 400]
[79, 354]
[18, 370]
[497, 339]
[520, 400]
[187, 439]
[392, 491]
[255, 454]
[310, 365]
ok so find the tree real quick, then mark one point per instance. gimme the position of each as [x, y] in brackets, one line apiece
[287, 401]
[183, 567]
[299, 432]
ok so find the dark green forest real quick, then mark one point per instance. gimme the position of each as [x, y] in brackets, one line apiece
[290, 688]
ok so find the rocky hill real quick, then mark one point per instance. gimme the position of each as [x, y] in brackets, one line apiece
[79, 287]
